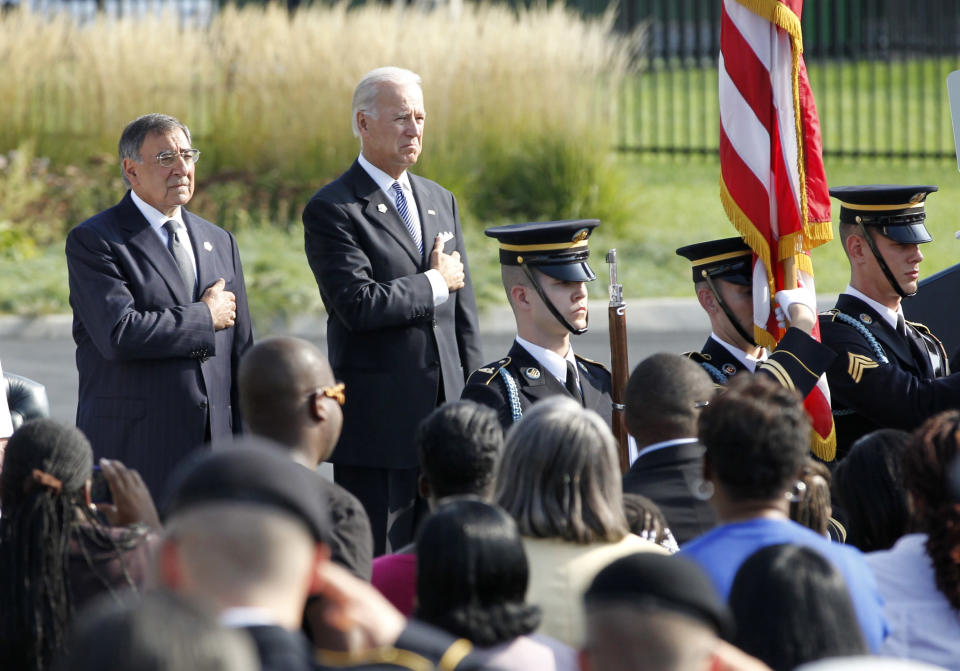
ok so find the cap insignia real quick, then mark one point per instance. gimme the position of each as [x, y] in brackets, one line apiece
[580, 235]
[729, 368]
[865, 318]
[532, 373]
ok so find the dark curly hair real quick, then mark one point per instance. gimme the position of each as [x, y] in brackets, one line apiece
[459, 446]
[472, 573]
[45, 470]
[757, 435]
[929, 475]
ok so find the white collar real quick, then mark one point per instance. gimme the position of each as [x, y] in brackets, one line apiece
[553, 362]
[749, 362]
[382, 179]
[653, 447]
[890, 316]
[154, 216]
[246, 616]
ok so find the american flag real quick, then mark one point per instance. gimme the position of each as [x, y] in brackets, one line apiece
[773, 185]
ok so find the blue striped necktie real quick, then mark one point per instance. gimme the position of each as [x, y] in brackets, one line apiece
[405, 215]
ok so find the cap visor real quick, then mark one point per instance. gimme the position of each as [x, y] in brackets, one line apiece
[914, 234]
[568, 272]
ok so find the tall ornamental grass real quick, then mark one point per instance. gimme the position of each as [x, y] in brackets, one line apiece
[520, 103]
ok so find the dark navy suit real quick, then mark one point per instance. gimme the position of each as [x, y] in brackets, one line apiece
[396, 352]
[534, 382]
[868, 393]
[797, 362]
[155, 378]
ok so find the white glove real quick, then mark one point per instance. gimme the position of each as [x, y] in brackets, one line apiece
[788, 297]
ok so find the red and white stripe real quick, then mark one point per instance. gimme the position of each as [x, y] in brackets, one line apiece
[773, 183]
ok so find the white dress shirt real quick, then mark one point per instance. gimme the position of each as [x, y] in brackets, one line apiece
[156, 219]
[6, 423]
[749, 362]
[923, 624]
[555, 364]
[439, 285]
[889, 316]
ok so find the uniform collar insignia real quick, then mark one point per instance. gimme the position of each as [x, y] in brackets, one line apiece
[729, 368]
[532, 373]
[865, 318]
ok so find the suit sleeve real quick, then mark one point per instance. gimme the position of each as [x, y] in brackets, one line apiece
[363, 298]
[242, 335]
[102, 300]
[468, 336]
[883, 392]
[798, 361]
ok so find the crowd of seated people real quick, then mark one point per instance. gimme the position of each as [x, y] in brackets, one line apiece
[537, 553]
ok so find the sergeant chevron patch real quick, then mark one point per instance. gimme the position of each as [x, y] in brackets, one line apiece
[858, 364]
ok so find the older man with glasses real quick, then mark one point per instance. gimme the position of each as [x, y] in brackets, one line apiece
[160, 313]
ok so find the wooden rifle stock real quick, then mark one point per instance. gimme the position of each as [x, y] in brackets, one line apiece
[619, 363]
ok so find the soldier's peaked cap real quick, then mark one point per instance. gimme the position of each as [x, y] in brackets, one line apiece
[653, 582]
[897, 211]
[727, 259]
[556, 248]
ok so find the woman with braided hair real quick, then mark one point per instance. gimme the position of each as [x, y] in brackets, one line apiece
[919, 577]
[55, 552]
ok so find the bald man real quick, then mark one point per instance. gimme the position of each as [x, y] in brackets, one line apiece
[664, 396]
[288, 394]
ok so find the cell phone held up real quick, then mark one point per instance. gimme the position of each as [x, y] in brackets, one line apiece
[99, 489]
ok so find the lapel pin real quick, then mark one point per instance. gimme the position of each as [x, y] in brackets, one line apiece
[381, 208]
[207, 246]
[433, 212]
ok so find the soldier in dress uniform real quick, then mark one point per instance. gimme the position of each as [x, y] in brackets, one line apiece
[544, 271]
[888, 372]
[723, 279]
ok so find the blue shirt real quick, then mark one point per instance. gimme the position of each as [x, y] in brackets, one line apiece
[722, 550]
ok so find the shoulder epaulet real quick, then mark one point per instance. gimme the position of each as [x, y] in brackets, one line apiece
[583, 358]
[486, 374]
[697, 357]
[831, 313]
[923, 328]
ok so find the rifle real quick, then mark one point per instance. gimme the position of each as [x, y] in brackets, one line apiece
[620, 367]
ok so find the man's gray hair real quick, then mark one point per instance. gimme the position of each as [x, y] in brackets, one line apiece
[365, 95]
[559, 476]
[137, 131]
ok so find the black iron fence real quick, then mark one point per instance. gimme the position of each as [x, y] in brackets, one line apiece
[877, 69]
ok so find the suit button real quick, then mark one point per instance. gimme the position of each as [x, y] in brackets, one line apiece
[203, 405]
[434, 323]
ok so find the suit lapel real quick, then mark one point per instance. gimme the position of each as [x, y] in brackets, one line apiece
[721, 358]
[203, 252]
[892, 342]
[535, 381]
[427, 208]
[381, 211]
[144, 239]
[590, 387]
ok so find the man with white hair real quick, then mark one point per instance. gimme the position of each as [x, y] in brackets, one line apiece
[388, 254]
